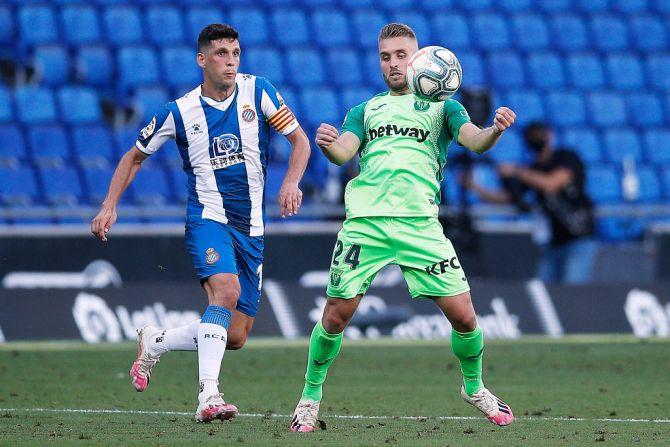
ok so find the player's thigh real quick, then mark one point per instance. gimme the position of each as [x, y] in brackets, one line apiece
[362, 248]
[223, 289]
[428, 259]
[459, 311]
[240, 326]
[249, 258]
[211, 248]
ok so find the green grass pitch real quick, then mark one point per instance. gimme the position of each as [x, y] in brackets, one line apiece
[579, 391]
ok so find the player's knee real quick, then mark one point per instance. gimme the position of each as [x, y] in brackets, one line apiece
[226, 294]
[464, 323]
[334, 323]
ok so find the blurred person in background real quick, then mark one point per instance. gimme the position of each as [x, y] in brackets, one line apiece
[557, 177]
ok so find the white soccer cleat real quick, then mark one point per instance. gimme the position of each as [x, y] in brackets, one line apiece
[214, 407]
[304, 416]
[493, 408]
[140, 372]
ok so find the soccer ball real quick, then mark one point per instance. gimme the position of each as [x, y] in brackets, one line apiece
[434, 73]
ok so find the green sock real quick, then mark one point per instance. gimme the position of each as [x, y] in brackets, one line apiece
[469, 348]
[323, 348]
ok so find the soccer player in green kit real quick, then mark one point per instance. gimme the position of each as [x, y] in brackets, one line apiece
[392, 208]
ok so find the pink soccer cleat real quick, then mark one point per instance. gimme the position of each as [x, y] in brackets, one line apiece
[493, 408]
[304, 416]
[215, 408]
[140, 372]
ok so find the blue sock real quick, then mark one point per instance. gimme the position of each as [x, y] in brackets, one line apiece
[217, 315]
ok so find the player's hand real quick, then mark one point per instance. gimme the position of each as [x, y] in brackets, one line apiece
[504, 119]
[290, 198]
[326, 135]
[506, 170]
[103, 222]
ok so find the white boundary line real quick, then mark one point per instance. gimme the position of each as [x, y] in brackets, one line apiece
[336, 416]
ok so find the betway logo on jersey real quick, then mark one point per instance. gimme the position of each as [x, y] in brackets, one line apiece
[391, 130]
[226, 151]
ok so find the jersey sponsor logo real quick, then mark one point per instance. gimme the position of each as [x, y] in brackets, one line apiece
[227, 151]
[211, 256]
[441, 267]
[149, 129]
[421, 106]
[391, 130]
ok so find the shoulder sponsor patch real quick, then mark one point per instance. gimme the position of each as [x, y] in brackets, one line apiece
[149, 129]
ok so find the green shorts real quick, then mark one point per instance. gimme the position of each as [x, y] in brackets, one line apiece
[417, 244]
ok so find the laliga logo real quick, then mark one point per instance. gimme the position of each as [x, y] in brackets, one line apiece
[646, 314]
[97, 275]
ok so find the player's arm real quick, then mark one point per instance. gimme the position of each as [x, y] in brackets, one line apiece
[339, 149]
[481, 140]
[290, 196]
[123, 175]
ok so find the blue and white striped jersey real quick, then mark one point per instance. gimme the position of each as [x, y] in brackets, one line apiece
[224, 146]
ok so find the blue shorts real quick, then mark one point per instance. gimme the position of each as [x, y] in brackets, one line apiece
[218, 248]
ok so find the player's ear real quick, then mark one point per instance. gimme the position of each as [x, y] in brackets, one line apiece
[200, 59]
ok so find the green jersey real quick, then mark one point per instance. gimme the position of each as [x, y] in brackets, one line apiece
[404, 142]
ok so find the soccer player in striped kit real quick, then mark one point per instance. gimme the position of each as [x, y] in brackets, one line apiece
[222, 130]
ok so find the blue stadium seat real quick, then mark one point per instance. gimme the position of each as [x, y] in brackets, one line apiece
[251, 25]
[514, 5]
[96, 181]
[92, 145]
[648, 33]
[619, 229]
[530, 32]
[280, 150]
[345, 66]
[179, 181]
[320, 106]
[179, 67]
[545, 70]
[130, 75]
[609, 33]
[123, 25]
[585, 142]
[353, 4]
[490, 31]
[630, 6]
[6, 25]
[644, 109]
[585, 71]
[94, 65]
[527, 104]
[372, 72]
[330, 28]
[485, 176]
[566, 108]
[49, 145]
[607, 109]
[429, 6]
[165, 26]
[509, 149]
[37, 24]
[622, 144]
[305, 66]
[418, 22]
[624, 72]
[658, 67]
[80, 24]
[451, 30]
[79, 105]
[197, 17]
[593, 6]
[366, 24]
[603, 184]
[296, 19]
[665, 176]
[151, 187]
[12, 146]
[505, 69]
[291, 100]
[148, 100]
[650, 186]
[35, 105]
[62, 186]
[53, 64]
[5, 105]
[661, 6]
[657, 146]
[473, 69]
[569, 32]
[477, 5]
[554, 6]
[18, 186]
[273, 181]
[264, 61]
[352, 96]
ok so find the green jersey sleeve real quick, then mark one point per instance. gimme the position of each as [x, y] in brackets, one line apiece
[455, 116]
[353, 122]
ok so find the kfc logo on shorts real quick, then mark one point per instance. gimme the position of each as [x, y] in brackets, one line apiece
[211, 256]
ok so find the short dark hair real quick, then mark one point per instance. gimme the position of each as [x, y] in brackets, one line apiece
[535, 127]
[396, 30]
[216, 31]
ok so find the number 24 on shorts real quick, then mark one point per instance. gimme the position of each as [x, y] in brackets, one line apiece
[350, 258]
